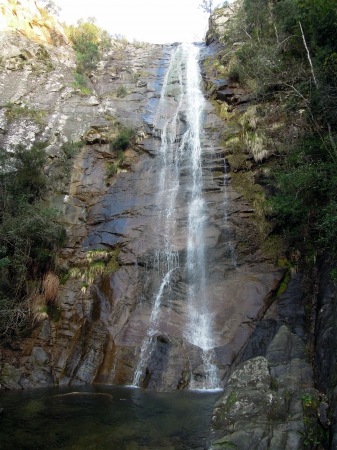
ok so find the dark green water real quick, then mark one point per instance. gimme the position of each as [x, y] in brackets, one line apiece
[104, 417]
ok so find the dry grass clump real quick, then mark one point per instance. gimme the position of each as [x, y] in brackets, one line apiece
[39, 308]
[50, 286]
[97, 262]
[39, 301]
[257, 146]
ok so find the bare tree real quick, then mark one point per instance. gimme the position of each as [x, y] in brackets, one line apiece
[207, 6]
[51, 7]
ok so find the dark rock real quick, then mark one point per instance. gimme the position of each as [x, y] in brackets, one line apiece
[260, 339]
[322, 415]
[326, 345]
[268, 387]
[226, 95]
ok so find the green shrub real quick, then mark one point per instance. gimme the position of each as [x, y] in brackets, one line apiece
[81, 83]
[304, 205]
[29, 232]
[234, 74]
[123, 140]
[121, 92]
[14, 111]
[80, 80]
[68, 151]
[111, 170]
[88, 39]
[88, 42]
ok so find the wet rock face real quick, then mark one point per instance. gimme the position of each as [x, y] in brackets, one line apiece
[270, 400]
[105, 321]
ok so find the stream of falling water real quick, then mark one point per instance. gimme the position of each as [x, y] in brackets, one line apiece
[184, 73]
[167, 260]
[199, 328]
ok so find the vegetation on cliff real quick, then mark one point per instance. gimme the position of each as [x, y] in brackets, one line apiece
[88, 41]
[284, 53]
[29, 235]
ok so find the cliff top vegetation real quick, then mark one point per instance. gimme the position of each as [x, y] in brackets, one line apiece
[284, 53]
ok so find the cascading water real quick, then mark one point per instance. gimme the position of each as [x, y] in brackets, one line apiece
[167, 259]
[184, 74]
[199, 328]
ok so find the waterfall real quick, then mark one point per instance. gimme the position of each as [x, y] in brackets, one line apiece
[166, 259]
[199, 328]
[176, 150]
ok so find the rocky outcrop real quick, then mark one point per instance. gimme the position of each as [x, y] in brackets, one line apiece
[32, 22]
[110, 268]
[270, 400]
[218, 22]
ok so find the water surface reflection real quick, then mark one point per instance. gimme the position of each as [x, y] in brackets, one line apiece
[104, 417]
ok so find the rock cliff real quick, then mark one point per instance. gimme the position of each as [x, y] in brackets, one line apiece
[111, 223]
[109, 265]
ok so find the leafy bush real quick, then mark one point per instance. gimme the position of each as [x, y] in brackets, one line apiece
[81, 83]
[69, 150]
[29, 234]
[304, 205]
[121, 91]
[123, 140]
[88, 41]
[111, 170]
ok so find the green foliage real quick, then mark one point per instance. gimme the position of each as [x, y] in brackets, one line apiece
[81, 83]
[54, 312]
[29, 231]
[121, 91]
[284, 284]
[68, 151]
[273, 246]
[14, 111]
[118, 146]
[123, 140]
[65, 278]
[304, 205]
[333, 275]
[111, 170]
[27, 164]
[307, 400]
[89, 41]
[273, 61]
[98, 262]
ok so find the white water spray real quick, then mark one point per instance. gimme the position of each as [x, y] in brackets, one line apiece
[199, 328]
[184, 73]
[166, 259]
